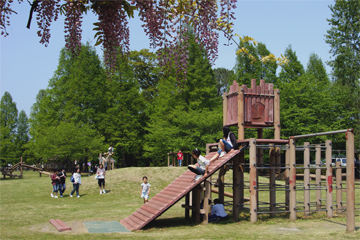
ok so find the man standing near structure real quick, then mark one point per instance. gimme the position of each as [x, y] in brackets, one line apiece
[180, 157]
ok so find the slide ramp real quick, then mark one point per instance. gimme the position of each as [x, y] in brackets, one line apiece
[172, 194]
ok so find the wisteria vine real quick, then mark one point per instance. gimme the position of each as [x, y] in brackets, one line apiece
[165, 22]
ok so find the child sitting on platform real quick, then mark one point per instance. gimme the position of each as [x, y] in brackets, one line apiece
[227, 144]
[202, 169]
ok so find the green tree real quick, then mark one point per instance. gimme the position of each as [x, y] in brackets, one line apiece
[292, 71]
[344, 40]
[22, 135]
[146, 71]
[68, 141]
[125, 114]
[247, 69]
[184, 116]
[76, 97]
[224, 78]
[8, 124]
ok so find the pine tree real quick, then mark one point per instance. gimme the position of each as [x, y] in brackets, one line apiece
[8, 124]
[187, 115]
[292, 71]
[22, 135]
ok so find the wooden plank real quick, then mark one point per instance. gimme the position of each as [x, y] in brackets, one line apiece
[246, 105]
[137, 220]
[350, 182]
[126, 225]
[329, 198]
[271, 103]
[140, 216]
[145, 213]
[149, 209]
[161, 199]
[266, 92]
[133, 224]
[56, 225]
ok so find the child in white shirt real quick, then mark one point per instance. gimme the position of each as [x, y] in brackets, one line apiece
[202, 169]
[145, 189]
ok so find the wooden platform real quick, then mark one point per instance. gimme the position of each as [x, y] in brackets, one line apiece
[172, 194]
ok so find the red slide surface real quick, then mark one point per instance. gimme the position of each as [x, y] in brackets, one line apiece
[172, 194]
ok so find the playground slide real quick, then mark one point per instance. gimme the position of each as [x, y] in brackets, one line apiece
[172, 194]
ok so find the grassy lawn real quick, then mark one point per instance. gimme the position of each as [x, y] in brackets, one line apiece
[26, 208]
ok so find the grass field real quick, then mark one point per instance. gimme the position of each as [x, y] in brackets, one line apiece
[26, 208]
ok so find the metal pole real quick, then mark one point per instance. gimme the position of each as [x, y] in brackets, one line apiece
[321, 134]
[350, 183]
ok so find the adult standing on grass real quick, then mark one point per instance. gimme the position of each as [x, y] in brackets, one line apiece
[100, 174]
[76, 183]
[55, 182]
[180, 157]
[62, 186]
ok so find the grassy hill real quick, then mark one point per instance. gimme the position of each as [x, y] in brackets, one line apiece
[26, 208]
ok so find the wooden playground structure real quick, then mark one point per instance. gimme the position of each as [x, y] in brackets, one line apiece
[258, 107]
[9, 171]
[107, 161]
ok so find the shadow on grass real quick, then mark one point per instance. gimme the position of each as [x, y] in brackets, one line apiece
[169, 223]
[338, 223]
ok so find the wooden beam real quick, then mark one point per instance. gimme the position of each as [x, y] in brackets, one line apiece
[338, 177]
[253, 181]
[292, 180]
[318, 176]
[350, 182]
[272, 182]
[307, 178]
[236, 188]
[329, 178]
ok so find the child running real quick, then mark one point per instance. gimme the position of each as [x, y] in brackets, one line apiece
[202, 169]
[145, 189]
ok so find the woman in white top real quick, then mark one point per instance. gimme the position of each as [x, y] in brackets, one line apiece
[76, 183]
[202, 169]
[100, 174]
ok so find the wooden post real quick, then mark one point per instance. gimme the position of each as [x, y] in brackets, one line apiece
[329, 176]
[174, 161]
[307, 178]
[187, 203]
[196, 195]
[338, 177]
[318, 176]
[168, 160]
[241, 116]
[236, 188]
[350, 182]
[241, 179]
[259, 151]
[221, 179]
[225, 108]
[292, 180]
[287, 175]
[277, 127]
[272, 181]
[21, 168]
[100, 159]
[253, 178]
[207, 184]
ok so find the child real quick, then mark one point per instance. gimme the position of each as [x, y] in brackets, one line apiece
[100, 173]
[228, 143]
[145, 189]
[217, 212]
[62, 186]
[76, 183]
[203, 164]
[55, 180]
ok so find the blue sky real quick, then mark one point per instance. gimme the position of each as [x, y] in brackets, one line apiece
[27, 65]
